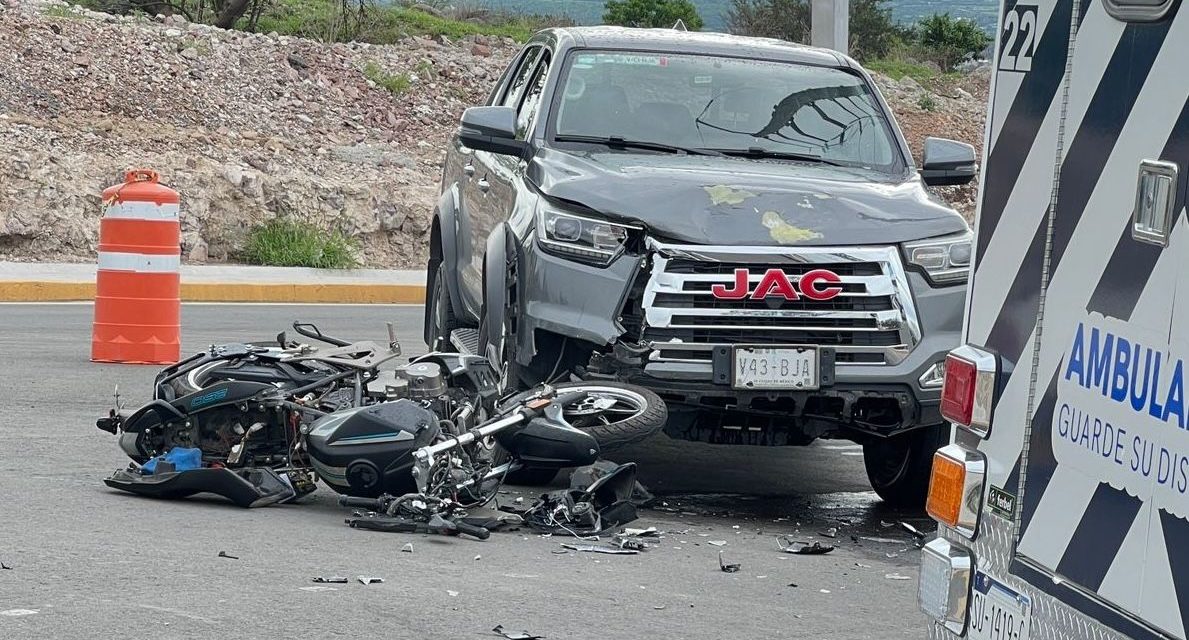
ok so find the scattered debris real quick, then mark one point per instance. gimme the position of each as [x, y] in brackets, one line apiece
[408, 548]
[370, 580]
[18, 612]
[224, 554]
[918, 535]
[659, 607]
[478, 557]
[896, 576]
[5, 567]
[331, 580]
[832, 532]
[862, 566]
[804, 548]
[595, 548]
[650, 532]
[317, 589]
[519, 500]
[727, 568]
[882, 540]
[452, 594]
[794, 585]
[717, 543]
[630, 542]
[515, 635]
[824, 590]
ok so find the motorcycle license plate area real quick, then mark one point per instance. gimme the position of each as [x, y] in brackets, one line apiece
[997, 612]
[780, 368]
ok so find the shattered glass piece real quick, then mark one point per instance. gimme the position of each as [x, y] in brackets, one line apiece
[804, 548]
[370, 580]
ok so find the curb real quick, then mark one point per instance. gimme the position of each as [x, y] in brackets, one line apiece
[41, 291]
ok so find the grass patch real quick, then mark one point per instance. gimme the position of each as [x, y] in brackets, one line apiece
[927, 103]
[395, 84]
[384, 24]
[287, 243]
[59, 11]
[897, 69]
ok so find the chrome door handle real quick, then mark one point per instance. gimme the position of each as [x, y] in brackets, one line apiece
[468, 169]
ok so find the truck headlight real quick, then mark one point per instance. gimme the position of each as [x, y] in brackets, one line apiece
[581, 238]
[945, 260]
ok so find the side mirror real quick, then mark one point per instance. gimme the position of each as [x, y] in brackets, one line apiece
[948, 162]
[491, 129]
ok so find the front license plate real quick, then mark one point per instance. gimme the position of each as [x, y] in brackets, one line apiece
[783, 368]
[997, 612]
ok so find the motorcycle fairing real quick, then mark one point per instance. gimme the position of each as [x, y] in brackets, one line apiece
[249, 487]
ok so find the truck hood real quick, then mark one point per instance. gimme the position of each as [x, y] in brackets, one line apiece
[737, 201]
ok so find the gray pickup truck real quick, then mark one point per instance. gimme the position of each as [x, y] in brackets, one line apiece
[734, 223]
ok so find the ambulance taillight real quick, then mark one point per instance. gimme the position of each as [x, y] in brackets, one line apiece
[969, 390]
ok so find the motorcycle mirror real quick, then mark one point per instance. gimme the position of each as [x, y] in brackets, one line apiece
[393, 344]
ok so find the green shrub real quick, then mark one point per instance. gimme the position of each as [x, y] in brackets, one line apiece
[288, 243]
[396, 84]
[872, 32]
[947, 40]
[926, 102]
[897, 67]
[652, 13]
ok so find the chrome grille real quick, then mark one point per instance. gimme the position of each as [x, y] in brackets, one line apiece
[872, 321]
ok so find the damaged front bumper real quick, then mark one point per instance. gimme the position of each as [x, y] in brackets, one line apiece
[650, 320]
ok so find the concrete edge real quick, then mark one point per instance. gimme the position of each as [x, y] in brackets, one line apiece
[42, 291]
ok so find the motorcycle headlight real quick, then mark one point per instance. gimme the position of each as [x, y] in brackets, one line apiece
[945, 260]
[580, 237]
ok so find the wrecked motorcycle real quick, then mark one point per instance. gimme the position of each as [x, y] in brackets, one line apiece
[267, 418]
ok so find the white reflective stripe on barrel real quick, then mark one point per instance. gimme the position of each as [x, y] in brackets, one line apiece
[139, 262]
[134, 210]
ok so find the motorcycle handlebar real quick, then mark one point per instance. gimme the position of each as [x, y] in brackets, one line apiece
[472, 530]
[364, 503]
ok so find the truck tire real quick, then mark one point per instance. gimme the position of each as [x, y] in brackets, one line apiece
[439, 312]
[898, 467]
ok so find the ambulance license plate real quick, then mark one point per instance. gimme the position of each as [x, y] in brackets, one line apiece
[784, 368]
[997, 612]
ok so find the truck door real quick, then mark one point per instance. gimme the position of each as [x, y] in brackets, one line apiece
[475, 218]
[1103, 480]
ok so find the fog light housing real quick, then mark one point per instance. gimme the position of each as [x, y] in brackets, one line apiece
[956, 488]
[944, 589]
[934, 376]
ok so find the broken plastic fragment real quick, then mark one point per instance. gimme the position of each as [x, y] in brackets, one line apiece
[716, 543]
[727, 568]
[5, 567]
[515, 635]
[650, 532]
[224, 554]
[896, 576]
[478, 557]
[408, 548]
[317, 589]
[331, 580]
[832, 532]
[804, 548]
[452, 594]
[594, 548]
[370, 580]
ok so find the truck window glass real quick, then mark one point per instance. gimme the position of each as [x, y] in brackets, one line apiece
[527, 114]
[729, 104]
[520, 78]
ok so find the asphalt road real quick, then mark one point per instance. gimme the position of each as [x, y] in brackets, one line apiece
[89, 562]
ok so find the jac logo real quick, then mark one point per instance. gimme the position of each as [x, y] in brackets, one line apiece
[814, 285]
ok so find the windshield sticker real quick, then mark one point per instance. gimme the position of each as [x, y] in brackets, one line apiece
[1120, 412]
[721, 194]
[785, 233]
[703, 79]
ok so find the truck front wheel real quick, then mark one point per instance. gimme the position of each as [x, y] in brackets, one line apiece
[898, 467]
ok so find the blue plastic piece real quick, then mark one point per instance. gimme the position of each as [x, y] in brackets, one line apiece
[182, 459]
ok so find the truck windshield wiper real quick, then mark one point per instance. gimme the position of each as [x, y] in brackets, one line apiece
[761, 152]
[625, 143]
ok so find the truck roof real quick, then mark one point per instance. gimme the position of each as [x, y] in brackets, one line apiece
[697, 42]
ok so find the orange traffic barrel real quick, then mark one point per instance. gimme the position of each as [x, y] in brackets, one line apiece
[138, 286]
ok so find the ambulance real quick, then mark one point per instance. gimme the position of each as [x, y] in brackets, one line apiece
[1062, 499]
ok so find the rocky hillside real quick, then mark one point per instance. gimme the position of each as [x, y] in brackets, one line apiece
[251, 126]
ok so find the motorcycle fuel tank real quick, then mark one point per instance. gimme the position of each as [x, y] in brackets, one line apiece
[368, 451]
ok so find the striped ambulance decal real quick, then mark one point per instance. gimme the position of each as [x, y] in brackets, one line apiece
[1054, 252]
